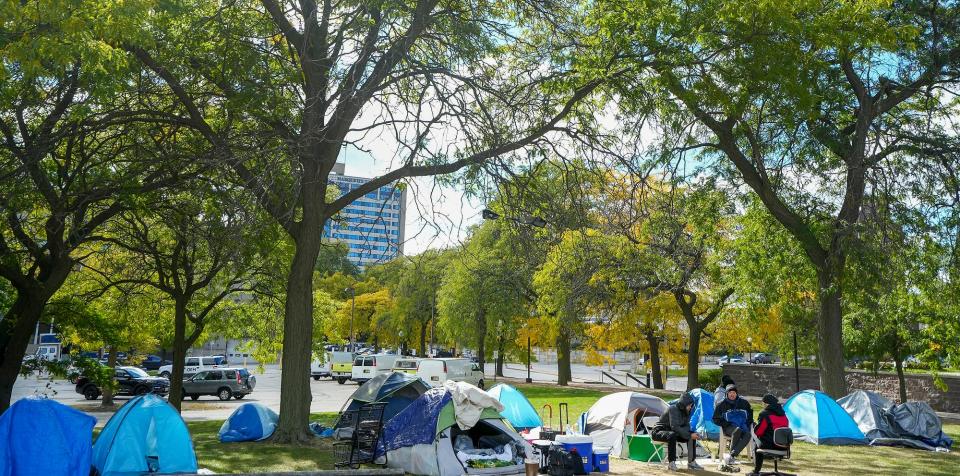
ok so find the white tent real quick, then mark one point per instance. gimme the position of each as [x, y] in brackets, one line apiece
[617, 415]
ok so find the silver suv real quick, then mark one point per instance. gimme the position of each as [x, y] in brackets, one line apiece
[222, 383]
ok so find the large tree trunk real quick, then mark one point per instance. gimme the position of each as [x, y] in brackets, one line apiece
[482, 337]
[108, 389]
[898, 362]
[16, 328]
[423, 338]
[654, 343]
[179, 355]
[564, 374]
[830, 337]
[295, 394]
[693, 358]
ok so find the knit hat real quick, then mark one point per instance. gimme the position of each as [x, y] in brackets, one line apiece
[769, 399]
[731, 387]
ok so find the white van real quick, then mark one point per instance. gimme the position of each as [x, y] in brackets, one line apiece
[320, 369]
[194, 365]
[366, 367]
[437, 371]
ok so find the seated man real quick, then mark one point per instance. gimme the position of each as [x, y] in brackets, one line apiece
[771, 418]
[721, 391]
[673, 428]
[734, 416]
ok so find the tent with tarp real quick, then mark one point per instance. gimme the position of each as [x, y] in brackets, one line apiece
[615, 416]
[701, 418]
[449, 431]
[41, 436]
[516, 408]
[912, 424]
[249, 422]
[396, 389]
[146, 435]
[816, 418]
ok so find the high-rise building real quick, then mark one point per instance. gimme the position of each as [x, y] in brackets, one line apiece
[371, 226]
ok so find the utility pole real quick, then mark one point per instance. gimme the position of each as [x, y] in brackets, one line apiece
[353, 304]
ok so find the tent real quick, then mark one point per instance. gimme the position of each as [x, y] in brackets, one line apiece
[146, 435]
[396, 389]
[516, 408]
[249, 422]
[818, 419]
[41, 436]
[912, 424]
[701, 419]
[617, 415]
[429, 437]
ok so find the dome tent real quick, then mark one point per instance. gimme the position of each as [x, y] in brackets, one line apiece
[249, 422]
[146, 435]
[617, 415]
[701, 419]
[816, 418]
[421, 438]
[516, 408]
[396, 389]
[41, 436]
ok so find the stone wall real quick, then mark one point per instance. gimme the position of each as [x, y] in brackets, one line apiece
[756, 380]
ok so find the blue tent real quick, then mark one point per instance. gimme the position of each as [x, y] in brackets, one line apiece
[701, 419]
[516, 408]
[249, 422]
[818, 419]
[145, 435]
[41, 436]
[396, 389]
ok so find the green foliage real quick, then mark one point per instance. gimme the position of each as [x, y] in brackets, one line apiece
[710, 378]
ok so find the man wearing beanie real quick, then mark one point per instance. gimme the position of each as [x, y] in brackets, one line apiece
[721, 391]
[734, 415]
[771, 418]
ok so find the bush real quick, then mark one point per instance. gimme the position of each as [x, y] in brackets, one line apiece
[710, 378]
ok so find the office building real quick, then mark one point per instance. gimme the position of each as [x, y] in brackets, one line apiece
[372, 226]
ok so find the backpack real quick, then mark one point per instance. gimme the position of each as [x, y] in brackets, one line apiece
[564, 463]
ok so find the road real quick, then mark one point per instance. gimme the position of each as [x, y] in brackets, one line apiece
[328, 396]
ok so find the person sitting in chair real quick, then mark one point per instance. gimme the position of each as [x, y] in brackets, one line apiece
[673, 428]
[771, 418]
[734, 416]
[721, 392]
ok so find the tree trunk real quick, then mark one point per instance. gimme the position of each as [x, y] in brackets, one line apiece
[499, 365]
[901, 380]
[564, 374]
[423, 338]
[179, 355]
[295, 394]
[693, 358]
[108, 389]
[654, 343]
[830, 337]
[16, 328]
[482, 337]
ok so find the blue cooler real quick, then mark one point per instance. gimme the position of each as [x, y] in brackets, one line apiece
[580, 444]
[601, 459]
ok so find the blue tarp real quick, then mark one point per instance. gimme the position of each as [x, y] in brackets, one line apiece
[249, 422]
[701, 419]
[145, 435]
[818, 419]
[416, 424]
[516, 408]
[41, 436]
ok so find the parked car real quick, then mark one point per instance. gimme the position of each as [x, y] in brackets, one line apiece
[130, 381]
[320, 369]
[407, 365]
[366, 367]
[153, 362]
[341, 366]
[223, 383]
[193, 365]
[761, 358]
[437, 371]
[737, 359]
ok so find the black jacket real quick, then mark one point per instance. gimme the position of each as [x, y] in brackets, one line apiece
[726, 405]
[677, 418]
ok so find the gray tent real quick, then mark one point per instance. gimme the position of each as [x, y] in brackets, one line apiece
[912, 424]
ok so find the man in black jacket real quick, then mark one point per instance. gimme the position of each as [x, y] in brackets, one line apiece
[734, 415]
[673, 428]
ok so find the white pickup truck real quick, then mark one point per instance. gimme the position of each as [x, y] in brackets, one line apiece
[194, 365]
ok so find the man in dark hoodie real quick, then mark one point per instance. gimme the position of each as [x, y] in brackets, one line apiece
[734, 415]
[771, 418]
[673, 428]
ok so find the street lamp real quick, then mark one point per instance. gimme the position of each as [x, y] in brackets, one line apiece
[353, 304]
[534, 221]
[750, 349]
[529, 380]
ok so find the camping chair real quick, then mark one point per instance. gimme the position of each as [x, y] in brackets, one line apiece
[659, 447]
[782, 437]
[724, 442]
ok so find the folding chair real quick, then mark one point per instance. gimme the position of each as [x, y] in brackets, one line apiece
[724, 443]
[782, 437]
[659, 448]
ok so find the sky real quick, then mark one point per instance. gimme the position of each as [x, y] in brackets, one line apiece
[436, 217]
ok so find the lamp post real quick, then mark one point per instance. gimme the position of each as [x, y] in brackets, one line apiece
[353, 304]
[529, 380]
[750, 349]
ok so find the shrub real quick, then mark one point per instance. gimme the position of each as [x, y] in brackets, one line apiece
[710, 378]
